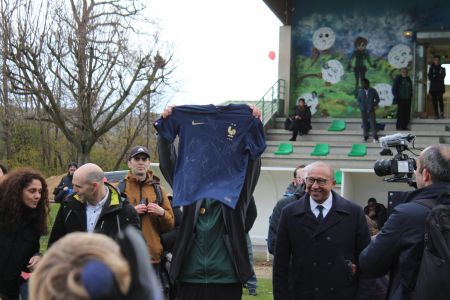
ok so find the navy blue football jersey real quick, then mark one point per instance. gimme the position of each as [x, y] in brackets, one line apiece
[215, 145]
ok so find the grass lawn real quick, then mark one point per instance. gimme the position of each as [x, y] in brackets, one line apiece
[264, 290]
[44, 239]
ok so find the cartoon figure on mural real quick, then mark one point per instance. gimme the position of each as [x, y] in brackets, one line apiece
[311, 100]
[384, 91]
[323, 39]
[399, 56]
[358, 58]
[332, 71]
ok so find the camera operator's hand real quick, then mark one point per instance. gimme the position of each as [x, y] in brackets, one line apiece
[141, 209]
[155, 209]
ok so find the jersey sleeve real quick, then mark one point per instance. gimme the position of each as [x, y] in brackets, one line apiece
[168, 128]
[255, 139]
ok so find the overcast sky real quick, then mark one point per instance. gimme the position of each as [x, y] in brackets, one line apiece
[221, 48]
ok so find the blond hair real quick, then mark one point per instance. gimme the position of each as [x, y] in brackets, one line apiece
[57, 276]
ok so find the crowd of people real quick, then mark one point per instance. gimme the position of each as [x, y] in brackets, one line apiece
[131, 240]
[328, 247]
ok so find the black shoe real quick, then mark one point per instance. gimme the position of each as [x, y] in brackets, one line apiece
[292, 139]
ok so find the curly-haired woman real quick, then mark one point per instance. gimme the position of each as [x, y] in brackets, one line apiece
[24, 212]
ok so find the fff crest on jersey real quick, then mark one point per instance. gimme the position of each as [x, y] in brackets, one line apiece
[231, 132]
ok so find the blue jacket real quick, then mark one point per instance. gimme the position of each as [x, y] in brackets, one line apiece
[399, 246]
[367, 102]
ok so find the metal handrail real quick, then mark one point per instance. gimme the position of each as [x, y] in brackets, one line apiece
[268, 104]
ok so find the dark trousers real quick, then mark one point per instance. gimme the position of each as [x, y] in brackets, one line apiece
[437, 99]
[299, 126]
[403, 113]
[369, 117]
[208, 291]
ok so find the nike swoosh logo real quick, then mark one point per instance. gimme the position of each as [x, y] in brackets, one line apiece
[197, 123]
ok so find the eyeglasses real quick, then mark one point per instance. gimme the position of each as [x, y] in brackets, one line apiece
[138, 158]
[320, 181]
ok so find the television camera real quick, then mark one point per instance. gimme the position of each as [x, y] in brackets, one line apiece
[400, 166]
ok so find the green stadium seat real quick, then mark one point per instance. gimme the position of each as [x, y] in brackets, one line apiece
[284, 149]
[337, 125]
[321, 150]
[358, 150]
[338, 176]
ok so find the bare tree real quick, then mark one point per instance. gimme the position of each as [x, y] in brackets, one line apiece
[82, 62]
[7, 8]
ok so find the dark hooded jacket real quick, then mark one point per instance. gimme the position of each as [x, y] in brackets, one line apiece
[398, 248]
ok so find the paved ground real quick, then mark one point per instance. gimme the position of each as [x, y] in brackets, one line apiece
[263, 269]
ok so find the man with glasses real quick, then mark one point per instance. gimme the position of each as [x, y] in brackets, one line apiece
[150, 201]
[320, 236]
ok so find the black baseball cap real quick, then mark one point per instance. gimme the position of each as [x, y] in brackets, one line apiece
[72, 164]
[138, 150]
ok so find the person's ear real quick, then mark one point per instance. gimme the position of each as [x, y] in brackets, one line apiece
[426, 176]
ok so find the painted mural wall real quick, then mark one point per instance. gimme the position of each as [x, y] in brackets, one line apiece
[337, 43]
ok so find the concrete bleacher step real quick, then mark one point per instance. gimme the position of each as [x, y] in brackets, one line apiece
[355, 124]
[305, 147]
[337, 161]
[348, 137]
[427, 132]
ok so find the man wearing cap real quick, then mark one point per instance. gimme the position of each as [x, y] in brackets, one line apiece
[64, 188]
[150, 201]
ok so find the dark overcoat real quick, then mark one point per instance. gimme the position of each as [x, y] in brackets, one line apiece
[321, 254]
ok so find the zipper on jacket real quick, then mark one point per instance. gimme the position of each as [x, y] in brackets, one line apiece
[67, 217]
[118, 224]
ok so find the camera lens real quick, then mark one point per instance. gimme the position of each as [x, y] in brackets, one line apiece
[382, 167]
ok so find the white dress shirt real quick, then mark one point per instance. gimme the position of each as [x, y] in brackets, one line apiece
[93, 212]
[326, 206]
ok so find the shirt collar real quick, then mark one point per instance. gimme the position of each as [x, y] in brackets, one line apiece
[326, 204]
[102, 202]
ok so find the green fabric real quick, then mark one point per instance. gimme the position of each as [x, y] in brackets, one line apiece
[358, 150]
[337, 125]
[321, 150]
[338, 176]
[284, 149]
[405, 89]
[208, 260]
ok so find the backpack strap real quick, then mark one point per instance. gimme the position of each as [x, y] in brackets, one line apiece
[159, 199]
[158, 192]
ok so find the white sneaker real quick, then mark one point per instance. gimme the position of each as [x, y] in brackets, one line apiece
[374, 141]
